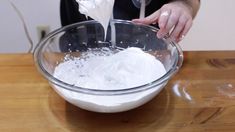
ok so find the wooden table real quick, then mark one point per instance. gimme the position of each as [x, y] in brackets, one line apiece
[201, 97]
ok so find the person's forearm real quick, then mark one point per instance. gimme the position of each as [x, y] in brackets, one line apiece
[192, 4]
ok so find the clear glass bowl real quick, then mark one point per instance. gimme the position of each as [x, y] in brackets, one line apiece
[77, 38]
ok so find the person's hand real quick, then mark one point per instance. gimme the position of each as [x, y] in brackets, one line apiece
[174, 18]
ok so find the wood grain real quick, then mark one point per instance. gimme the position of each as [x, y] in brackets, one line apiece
[201, 97]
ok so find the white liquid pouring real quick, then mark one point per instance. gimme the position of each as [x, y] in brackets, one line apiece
[99, 10]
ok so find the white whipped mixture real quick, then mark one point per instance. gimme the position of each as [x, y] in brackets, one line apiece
[110, 70]
[128, 68]
[99, 10]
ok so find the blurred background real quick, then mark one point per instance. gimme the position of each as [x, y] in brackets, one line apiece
[213, 27]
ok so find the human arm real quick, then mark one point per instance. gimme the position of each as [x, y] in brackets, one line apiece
[175, 18]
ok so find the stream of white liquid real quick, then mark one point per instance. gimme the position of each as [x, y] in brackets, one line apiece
[99, 10]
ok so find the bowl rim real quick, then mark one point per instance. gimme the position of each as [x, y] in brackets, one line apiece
[176, 65]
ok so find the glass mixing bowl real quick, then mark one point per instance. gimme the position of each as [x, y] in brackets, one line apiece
[72, 40]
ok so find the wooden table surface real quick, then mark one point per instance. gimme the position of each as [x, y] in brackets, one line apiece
[201, 97]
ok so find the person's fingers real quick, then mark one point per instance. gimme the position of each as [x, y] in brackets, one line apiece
[162, 22]
[149, 19]
[185, 30]
[178, 28]
[163, 18]
[172, 21]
